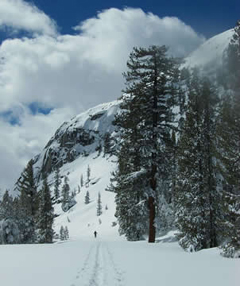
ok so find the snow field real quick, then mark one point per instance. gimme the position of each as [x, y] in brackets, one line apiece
[99, 262]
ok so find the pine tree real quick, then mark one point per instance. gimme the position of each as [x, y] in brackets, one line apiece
[88, 176]
[65, 195]
[45, 215]
[99, 205]
[87, 198]
[145, 120]
[6, 206]
[81, 181]
[107, 145]
[62, 233]
[28, 204]
[197, 200]
[66, 233]
[9, 231]
[57, 183]
[228, 144]
[229, 150]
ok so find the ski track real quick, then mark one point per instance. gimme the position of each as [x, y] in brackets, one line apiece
[99, 268]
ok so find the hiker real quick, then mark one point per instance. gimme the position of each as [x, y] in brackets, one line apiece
[95, 233]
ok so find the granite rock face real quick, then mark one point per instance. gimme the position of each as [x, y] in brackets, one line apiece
[82, 135]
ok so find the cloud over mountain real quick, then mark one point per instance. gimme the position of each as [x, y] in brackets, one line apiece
[70, 73]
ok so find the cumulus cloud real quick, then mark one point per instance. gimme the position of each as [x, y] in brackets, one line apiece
[75, 72]
[20, 143]
[21, 15]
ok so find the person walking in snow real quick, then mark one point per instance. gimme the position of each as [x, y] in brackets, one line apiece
[95, 233]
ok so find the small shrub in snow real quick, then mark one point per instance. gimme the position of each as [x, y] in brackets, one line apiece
[9, 232]
[64, 233]
[230, 251]
[87, 198]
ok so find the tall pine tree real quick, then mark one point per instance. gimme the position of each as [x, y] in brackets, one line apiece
[146, 122]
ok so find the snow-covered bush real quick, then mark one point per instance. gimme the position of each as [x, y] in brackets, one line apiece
[230, 251]
[9, 232]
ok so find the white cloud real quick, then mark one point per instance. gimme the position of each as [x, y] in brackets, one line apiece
[19, 144]
[21, 15]
[74, 72]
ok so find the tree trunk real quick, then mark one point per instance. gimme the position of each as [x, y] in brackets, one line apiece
[153, 183]
[152, 230]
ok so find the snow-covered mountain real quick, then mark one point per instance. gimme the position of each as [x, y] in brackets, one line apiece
[79, 137]
[80, 142]
[77, 144]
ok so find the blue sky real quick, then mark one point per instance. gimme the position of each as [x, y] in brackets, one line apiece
[208, 17]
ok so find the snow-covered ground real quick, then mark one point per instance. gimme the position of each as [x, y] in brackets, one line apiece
[100, 262]
[108, 260]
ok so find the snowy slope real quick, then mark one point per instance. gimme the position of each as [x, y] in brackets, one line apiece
[210, 53]
[80, 137]
[82, 220]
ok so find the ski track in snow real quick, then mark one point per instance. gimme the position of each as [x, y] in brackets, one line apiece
[99, 268]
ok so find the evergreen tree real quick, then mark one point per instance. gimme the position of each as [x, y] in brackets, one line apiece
[57, 183]
[88, 176]
[197, 199]
[87, 198]
[45, 215]
[81, 181]
[62, 233]
[229, 150]
[99, 205]
[146, 122]
[66, 233]
[6, 206]
[9, 231]
[66, 195]
[107, 145]
[28, 204]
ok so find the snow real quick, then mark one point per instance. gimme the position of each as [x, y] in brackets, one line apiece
[211, 52]
[82, 219]
[83, 120]
[101, 262]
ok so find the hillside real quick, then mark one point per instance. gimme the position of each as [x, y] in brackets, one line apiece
[77, 144]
